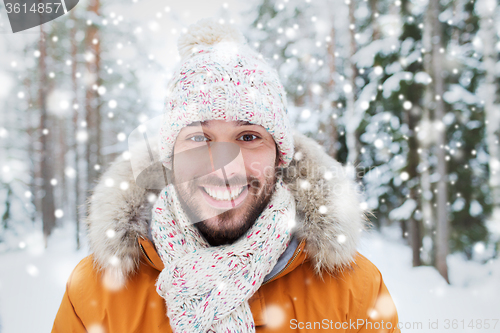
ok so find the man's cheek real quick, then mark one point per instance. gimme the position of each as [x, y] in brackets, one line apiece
[255, 167]
[269, 171]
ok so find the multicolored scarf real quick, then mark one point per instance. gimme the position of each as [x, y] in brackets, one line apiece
[207, 288]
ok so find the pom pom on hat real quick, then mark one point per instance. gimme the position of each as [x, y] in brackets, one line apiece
[207, 32]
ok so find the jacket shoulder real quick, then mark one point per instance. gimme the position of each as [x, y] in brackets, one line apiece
[364, 277]
[365, 269]
[376, 303]
[84, 269]
[85, 277]
[90, 281]
[116, 303]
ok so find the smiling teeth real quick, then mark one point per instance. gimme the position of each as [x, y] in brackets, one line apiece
[224, 194]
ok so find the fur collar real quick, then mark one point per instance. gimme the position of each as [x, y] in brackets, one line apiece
[327, 205]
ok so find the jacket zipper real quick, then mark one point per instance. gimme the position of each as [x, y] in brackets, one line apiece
[287, 265]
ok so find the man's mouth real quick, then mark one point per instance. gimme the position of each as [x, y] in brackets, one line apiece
[223, 193]
[221, 197]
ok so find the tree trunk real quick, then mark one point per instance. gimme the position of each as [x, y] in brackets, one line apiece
[74, 51]
[334, 134]
[31, 131]
[92, 100]
[426, 141]
[6, 214]
[413, 161]
[428, 216]
[374, 20]
[48, 217]
[442, 229]
[330, 127]
[350, 126]
[61, 165]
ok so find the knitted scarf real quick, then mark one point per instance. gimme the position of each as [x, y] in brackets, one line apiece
[206, 288]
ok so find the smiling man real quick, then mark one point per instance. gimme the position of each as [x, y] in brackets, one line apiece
[227, 201]
[256, 232]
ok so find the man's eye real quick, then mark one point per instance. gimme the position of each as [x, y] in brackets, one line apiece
[198, 138]
[248, 137]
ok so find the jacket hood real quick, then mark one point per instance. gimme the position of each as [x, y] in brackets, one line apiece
[328, 207]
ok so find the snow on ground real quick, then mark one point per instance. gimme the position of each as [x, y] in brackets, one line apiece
[32, 283]
[33, 280]
[422, 296]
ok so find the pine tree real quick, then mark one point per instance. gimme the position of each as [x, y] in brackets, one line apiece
[65, 137]
[488, 13]
[46, 162]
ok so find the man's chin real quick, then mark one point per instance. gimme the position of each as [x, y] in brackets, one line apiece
[225, 225]
[219, 226]
[229, 225]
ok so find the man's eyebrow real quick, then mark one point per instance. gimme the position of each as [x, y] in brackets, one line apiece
[197, 123]
[206, 124]
[243, 123]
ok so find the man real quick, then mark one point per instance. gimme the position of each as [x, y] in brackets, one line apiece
[256, 231]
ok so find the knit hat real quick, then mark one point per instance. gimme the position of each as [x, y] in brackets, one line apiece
[221, 78]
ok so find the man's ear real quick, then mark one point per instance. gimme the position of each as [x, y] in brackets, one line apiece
[277, 161]
[278, 164]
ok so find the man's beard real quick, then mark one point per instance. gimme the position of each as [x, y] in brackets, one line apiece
[227, 230]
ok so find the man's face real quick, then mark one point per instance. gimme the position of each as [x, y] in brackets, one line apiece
[228, 200]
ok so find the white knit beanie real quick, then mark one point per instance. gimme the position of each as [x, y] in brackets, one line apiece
[221, 78]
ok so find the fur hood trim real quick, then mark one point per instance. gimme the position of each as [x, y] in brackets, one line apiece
[328, 207]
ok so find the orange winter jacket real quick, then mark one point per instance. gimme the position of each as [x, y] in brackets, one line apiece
[323, 285]
[295, 300]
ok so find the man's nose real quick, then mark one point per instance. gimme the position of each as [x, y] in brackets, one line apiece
[226, 159]
[219, 157]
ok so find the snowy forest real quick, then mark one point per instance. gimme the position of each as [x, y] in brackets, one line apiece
[402, 92]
